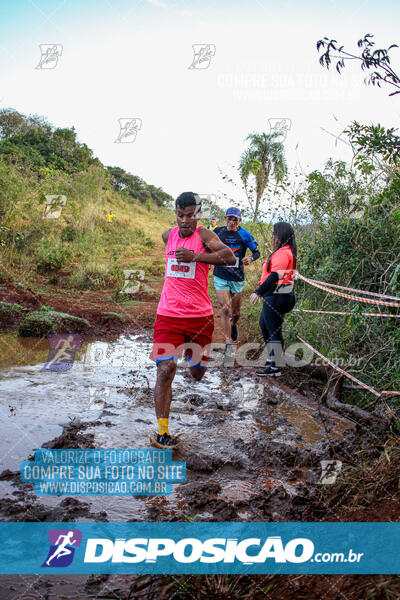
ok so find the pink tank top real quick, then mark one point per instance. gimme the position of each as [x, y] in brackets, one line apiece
[185, 291]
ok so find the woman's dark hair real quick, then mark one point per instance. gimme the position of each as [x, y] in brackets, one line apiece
[285, 234]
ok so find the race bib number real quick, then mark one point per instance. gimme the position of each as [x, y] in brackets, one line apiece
[182, 269]
[235, 265]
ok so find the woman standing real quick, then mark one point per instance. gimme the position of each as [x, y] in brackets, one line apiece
[276, 287]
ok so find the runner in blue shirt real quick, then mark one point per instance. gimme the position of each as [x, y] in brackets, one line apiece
[229, 280]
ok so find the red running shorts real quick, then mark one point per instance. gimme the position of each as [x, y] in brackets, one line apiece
[174, 336]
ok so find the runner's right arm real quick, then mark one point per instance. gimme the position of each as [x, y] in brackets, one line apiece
[165, 236]
[217, 252]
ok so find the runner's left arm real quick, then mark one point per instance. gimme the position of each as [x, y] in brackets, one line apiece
[268, 284]
[251, 245]
[217, 252]
[249, 259]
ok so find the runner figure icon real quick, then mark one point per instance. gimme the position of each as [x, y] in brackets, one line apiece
[62, 549]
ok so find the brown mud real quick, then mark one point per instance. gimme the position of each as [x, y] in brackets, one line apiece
[248, 458]
[94, 306]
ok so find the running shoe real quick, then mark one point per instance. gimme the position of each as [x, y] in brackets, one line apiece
[272, 371]
[228, 350]
[234, 333]
[166, 441]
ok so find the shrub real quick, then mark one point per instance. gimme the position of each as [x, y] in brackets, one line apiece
[51, 256]
[40, 323]
[9, 313]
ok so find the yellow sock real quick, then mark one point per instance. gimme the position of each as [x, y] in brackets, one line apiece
[162, 426]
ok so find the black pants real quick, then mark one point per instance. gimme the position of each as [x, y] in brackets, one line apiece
[271, 320]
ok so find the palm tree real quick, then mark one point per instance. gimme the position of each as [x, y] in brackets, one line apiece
[264, 158]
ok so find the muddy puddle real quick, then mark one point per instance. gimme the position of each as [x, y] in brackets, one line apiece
[253, 448]
[241, 435]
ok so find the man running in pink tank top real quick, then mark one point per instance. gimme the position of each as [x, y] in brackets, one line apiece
[185, 321]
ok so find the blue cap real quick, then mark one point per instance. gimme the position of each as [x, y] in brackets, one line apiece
[233, 212]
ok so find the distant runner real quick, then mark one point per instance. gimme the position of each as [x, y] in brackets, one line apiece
[184, 313]
[110, 216]
[229, 281]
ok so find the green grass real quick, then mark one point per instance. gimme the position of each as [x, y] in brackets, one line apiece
[79, 247]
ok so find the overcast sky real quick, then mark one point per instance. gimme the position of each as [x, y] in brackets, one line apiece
[130, 59]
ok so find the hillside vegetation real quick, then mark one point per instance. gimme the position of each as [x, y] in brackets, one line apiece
[80, 248]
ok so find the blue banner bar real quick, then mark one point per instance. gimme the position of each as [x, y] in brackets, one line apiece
[197, 548]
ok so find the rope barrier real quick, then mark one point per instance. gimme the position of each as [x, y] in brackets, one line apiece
[341, 287]
[351, 377]
[331, 312]
[349, 296]
[327, 288]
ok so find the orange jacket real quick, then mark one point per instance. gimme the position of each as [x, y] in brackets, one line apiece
[282, 263]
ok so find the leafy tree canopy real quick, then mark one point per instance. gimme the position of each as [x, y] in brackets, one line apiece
[133, 187]
[32, 141]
